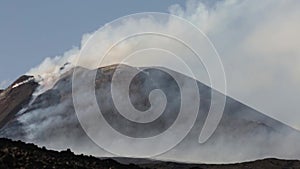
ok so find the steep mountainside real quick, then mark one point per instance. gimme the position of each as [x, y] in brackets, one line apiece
[50, 119]
[15, 97]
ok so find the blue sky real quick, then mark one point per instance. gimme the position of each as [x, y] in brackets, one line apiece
[33, 30]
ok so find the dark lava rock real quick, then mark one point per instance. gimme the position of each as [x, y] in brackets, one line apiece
[15, 97]
[16, 154]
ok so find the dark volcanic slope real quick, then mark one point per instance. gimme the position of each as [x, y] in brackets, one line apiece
[15, 97]
[16, 154]
[243, 134]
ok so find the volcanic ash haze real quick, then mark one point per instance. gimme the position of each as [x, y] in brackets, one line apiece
[47, 116]
[243, 134]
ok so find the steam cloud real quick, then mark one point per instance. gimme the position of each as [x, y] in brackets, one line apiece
[256, 40]
[258, 43]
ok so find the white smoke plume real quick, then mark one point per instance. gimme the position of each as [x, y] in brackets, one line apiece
[257, 42]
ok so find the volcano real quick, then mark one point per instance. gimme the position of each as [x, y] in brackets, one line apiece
[48, 118]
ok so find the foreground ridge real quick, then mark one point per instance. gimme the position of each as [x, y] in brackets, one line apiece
[16, 154]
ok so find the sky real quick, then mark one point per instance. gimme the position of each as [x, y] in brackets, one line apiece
[258, 41]
[32, 30]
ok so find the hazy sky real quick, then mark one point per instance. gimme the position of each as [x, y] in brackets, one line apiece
[33, 30]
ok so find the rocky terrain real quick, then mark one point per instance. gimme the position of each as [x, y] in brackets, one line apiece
[16, 154]
[15, 97]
